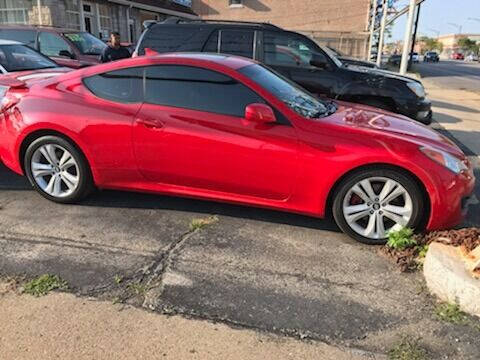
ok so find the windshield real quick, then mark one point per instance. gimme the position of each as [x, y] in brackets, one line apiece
[86, 43]
[296, 98]
[332, 56]
[20, 58]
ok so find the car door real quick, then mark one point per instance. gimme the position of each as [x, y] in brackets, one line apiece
[290, 55]
[53, 46]
[191, 132]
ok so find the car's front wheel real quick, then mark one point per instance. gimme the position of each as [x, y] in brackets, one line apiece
[370, 203]
[57, 170]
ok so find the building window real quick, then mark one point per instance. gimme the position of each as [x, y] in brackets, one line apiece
[235, 3]
[13, 12]
[105, 20]
[73, 14]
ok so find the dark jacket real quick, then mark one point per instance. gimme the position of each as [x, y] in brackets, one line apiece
[112, 54]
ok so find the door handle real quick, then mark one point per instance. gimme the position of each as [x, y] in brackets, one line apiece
[150, 123]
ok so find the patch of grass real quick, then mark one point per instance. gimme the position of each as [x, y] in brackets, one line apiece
[137, 289]
[197, 224]
[118, 279]
[43, 284]
[401, 239]
[451, 313]
[422, 251]
[408, 349]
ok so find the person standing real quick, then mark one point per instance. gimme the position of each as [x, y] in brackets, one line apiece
[114, 51]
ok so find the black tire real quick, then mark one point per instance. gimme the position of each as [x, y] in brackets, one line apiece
[85, 183]
[403, 179]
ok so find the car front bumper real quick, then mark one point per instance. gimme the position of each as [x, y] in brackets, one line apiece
[456, 195]
[417, 109]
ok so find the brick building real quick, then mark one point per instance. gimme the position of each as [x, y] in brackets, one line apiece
[98, 17]
[342, 24]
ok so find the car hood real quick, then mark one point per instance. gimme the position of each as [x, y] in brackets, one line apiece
[379, 122]
[353, 61]
[379, 72]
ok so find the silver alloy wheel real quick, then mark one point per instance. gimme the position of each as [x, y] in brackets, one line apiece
[55, 170]
[375, 205]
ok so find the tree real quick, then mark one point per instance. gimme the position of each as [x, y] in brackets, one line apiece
[430, 44]
[468, 45]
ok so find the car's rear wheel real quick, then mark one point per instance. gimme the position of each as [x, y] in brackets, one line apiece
[370, 203]
[57, 170]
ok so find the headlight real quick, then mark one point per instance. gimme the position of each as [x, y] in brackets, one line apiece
[443, 158]
[417, 88]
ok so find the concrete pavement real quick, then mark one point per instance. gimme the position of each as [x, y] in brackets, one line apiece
[66, 327]
[255, 269]
[452, 74]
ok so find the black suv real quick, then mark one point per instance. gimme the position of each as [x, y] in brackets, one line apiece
[295, 56]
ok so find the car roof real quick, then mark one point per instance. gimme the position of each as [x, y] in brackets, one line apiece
[213, 23]
[231, 61]
[9, 42]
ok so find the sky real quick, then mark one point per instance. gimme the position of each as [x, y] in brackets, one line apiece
[436, 14]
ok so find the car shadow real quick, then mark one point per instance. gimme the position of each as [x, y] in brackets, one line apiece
[450, 106]
[122, 199]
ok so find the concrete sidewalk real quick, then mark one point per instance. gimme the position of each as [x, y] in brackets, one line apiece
[66, 327]
[458, 112]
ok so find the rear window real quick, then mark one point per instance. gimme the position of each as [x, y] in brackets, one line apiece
[164, 39]
[26, 37]
[124, 86]
[21, 58]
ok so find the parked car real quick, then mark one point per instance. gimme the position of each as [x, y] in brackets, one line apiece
[458, 56]
[15, 56]
[415, 57]
[351, 60]
[431, 56]
[472, 57]
[395, 60]
[295, 56]
[227, 128]
[70, 48]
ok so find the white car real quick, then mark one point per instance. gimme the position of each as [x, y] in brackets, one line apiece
[15, 56]
[471, 57]
[415, 57]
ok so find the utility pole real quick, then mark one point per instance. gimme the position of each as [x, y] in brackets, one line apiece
[407, 38]
[414, 39]
[382, 32]
[39, 5]
[372, 29]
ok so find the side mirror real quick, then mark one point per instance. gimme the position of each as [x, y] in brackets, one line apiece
[260, 113]
[66, 53]
[319, 61]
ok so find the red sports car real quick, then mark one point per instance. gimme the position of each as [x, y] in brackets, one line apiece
[226, 128]
[458, 56]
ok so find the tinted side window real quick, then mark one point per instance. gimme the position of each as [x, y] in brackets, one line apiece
[212, 43]
[26, 37]
[124, 86]
[286, 50]
[237, 42]
[169, 39]
[51, 44]
[197, 89]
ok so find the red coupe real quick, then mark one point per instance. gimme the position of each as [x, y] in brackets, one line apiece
[458, 56]
[226, 128]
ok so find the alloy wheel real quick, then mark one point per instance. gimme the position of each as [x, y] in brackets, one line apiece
[375, 205]
[55, 170]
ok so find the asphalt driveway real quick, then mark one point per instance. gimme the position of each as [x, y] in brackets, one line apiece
[245, 267]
